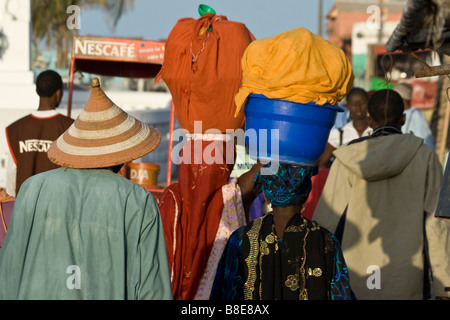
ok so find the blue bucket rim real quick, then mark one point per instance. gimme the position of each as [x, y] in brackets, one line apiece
[328, 106]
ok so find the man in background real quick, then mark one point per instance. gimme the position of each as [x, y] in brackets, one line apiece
[415, 121]
[30, 137]
[379, 199]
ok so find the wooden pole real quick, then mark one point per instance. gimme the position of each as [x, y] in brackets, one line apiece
[432, 71]
[72, 71]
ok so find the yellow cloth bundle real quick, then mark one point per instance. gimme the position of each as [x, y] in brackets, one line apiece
[295, 65]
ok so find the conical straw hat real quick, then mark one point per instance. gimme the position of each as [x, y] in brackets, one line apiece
[102, 136]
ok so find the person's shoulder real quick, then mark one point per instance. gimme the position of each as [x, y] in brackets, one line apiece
[312, 225]
[361, 139]
[65, 118]
[19, 122]
[254, 224]
[417, 114]
[40, 178]
[412, 138]
[413, 109]
[422, 150]
[334, 137]
[259, 220]
[237, 235]
[327, 234]
[135, 191]
[336, 131]
[427, 149]
[107, 183]
[117, 181]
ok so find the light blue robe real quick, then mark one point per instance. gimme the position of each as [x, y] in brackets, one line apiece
[84, 234]
[418, 125]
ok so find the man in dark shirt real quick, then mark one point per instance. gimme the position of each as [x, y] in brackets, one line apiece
[30, 137]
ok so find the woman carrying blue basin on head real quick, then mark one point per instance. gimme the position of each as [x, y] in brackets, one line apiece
[296, 79]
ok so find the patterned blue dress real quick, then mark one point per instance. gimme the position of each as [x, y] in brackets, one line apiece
[306, 264]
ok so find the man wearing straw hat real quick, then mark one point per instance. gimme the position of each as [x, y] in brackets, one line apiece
[83, 231]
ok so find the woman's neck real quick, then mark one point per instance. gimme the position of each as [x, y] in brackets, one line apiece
[281, 217]
[360, 125]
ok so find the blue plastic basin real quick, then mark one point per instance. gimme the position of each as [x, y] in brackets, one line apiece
[303, 129]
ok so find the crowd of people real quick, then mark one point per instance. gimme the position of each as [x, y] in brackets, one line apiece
[76, 229]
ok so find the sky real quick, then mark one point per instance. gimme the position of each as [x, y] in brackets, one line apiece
[153, 20]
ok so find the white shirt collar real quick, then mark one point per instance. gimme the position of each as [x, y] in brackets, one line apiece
[44, 114]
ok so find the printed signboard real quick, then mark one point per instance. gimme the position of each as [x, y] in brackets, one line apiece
[116, 49]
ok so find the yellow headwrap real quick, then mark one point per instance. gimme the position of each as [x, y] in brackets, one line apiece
[295, 65]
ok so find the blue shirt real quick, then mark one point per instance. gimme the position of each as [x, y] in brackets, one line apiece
[418, 125]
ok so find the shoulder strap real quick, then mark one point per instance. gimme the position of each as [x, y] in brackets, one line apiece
[341, 136]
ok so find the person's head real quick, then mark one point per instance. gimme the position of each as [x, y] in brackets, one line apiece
[288, 185]
[357, 100]
[386, 109]
[49, 86]
[405, 91]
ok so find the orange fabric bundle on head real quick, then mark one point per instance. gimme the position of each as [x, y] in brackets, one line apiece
[202, 69]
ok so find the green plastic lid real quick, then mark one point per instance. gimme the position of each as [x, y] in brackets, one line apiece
[203, 8]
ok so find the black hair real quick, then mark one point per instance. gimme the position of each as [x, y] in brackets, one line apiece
[386, 107]
[357, 90]
[47, 83]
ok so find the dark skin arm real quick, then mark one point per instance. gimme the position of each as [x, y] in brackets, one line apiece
[324, 160]
[246, 183]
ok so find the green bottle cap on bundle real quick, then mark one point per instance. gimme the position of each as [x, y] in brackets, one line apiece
[203, 8]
